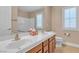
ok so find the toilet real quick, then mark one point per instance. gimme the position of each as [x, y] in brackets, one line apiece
[59, 41]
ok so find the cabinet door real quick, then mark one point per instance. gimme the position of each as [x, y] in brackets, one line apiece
[50, 47]
[52, 44]
[46, 49]
[45, 43]
[45, 46]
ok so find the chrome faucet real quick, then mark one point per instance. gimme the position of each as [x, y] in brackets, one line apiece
[17, 37]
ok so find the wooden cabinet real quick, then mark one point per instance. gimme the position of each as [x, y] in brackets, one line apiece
[54, 45]
[51, 44]
[37, 49]
[47, 46]
[45, 49]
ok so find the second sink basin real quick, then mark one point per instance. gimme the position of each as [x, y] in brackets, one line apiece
[16, 44]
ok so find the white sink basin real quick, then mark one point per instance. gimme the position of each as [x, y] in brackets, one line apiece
[16, 44]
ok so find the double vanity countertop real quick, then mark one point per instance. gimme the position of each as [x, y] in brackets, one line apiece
[25, 43]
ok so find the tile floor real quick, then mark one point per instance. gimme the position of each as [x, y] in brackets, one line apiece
[67, 49]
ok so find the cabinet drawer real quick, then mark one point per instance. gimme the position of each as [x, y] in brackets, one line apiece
[45, 43]
[36, 49]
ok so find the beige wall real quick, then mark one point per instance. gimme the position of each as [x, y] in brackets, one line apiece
[47, 18]
[14, 14]
[23, 13]
[58, 27]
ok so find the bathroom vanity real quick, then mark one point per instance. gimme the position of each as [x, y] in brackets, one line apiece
[41, 43]
[48, 46]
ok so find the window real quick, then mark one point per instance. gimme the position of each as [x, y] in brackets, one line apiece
[70, 18]
[39, 21]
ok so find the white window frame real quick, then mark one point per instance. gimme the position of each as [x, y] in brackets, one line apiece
[70, 29]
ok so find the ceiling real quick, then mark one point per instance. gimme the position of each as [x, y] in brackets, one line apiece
[30, 8]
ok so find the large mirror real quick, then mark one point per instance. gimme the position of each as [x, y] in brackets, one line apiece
[29, 17]
[21, 18]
